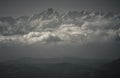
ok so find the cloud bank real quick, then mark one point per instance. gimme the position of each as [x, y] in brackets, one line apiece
[52, 27]
[76, 29]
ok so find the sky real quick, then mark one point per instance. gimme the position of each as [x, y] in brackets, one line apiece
[49, 34]
[27, 7]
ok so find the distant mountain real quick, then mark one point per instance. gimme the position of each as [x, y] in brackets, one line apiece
[10, 20]
[45, 15]
[49, 19]
[82, 61]
[53, 26]
[51, 14]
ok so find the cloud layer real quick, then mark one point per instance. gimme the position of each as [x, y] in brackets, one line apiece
[51, 27]
[51, 34]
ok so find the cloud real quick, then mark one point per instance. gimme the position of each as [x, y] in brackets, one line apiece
[42, 37]
[61, 29]
[85, 36]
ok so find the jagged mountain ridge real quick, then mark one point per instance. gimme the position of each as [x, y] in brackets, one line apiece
[52, 17]
[53, 26]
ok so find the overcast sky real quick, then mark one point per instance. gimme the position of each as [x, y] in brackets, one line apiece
[28, 7]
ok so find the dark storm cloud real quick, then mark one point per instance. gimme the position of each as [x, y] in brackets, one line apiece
[27, 7]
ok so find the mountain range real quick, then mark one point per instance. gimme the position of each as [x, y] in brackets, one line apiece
[49, 18]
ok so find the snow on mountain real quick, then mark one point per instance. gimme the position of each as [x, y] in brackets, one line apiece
[52, 26]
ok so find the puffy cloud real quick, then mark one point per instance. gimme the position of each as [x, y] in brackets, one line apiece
[42, 37]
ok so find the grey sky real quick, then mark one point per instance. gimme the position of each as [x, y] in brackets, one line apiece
[28, 7]
[97, 31]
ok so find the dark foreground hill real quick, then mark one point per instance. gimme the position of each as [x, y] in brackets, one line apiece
[26, 68]
[109, 70]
